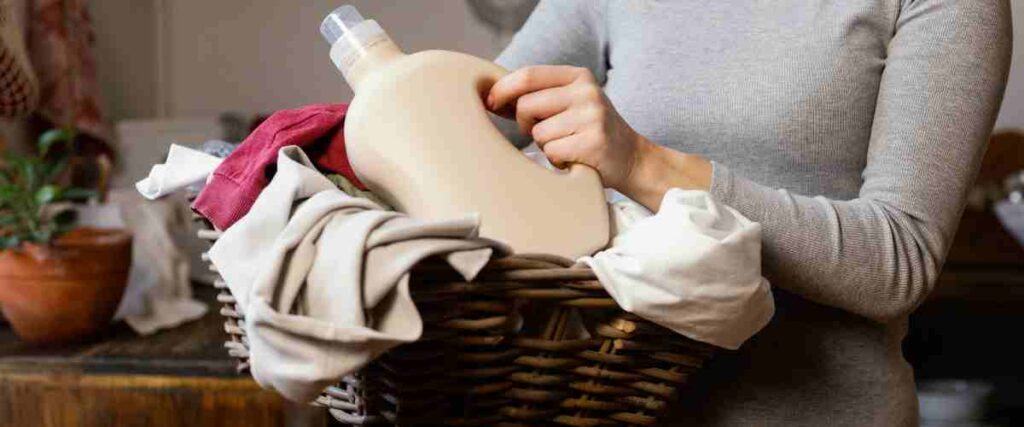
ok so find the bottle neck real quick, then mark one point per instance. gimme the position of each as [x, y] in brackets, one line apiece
[370, 59]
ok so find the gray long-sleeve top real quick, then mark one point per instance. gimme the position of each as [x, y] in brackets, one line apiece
[850, 130]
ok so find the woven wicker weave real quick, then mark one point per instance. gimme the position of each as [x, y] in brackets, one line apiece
[532, 341]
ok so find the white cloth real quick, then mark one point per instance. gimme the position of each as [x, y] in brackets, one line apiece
[694, 268]
[184, 167]
[624, 212]
[1011, 215]
[322, 277]
[184, 170]
[159, 292]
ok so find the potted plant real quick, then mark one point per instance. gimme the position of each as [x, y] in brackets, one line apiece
[58, 282]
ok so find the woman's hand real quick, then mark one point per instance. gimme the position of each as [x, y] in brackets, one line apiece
[566, 112]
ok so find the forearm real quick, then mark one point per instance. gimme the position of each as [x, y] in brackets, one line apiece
[864, 256]
[867, 256]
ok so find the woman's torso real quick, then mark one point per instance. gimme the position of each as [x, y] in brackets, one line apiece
[794, 82]
[783, 92]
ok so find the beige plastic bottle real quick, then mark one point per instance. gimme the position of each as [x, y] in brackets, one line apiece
[418, 135]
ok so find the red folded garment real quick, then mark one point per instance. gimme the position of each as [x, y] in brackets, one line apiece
[234, 186]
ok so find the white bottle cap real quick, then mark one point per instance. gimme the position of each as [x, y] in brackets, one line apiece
[350, 35]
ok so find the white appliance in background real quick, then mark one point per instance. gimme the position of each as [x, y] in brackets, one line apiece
[1010, 210]
[143, 143]
[953, 402]
[1011, 215]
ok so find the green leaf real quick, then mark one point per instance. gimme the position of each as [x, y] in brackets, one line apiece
[12, 240]
[28, 184]
[52, 170]
[48, 194]
[16, 166]
[78, 194]
[61, 223]
[54, 136]
[9, 242]
[43, 235]
[8, 192]
[26, 171]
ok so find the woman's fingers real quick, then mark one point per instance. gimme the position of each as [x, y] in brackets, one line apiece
[563, 151]
[537, 106]
[556, 127]
[566, 112]
[531, 79]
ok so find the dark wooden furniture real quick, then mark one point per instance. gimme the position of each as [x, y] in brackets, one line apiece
[967, 328]
[178, 377]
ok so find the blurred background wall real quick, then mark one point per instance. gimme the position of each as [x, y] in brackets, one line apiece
[188, 58]
[191, 58]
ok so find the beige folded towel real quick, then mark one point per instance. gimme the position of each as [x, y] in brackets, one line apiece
[322, 277]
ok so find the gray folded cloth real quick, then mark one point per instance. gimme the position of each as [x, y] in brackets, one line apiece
[218, 148]
[322, 278]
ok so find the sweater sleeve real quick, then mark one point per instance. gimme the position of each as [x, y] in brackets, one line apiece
[879, 255]
[561, 32]
[558, 32]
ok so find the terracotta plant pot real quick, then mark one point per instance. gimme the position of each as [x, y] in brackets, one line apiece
[67, 291]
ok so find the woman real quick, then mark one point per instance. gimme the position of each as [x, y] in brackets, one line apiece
[850, 130]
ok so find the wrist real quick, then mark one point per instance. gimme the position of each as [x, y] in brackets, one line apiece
[656, 169]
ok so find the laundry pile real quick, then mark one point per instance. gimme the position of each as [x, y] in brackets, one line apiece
[320, 266]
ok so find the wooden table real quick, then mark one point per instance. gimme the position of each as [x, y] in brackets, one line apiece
[178, 377]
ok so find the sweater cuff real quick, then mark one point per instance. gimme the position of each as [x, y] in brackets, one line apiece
[722, 183]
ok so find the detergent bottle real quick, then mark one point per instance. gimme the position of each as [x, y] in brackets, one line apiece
[419, 136]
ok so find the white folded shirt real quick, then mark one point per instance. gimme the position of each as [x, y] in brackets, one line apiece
[694, 268]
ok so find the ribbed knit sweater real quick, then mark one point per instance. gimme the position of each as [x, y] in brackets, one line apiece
[851, 130]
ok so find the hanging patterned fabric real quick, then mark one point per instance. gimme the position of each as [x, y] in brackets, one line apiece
[60, 44]
[19, 89]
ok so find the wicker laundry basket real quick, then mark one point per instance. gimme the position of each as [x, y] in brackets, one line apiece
[532, 341]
